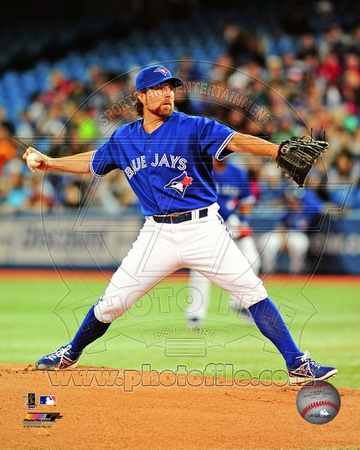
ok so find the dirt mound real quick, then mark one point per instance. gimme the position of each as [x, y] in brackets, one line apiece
[116, 409]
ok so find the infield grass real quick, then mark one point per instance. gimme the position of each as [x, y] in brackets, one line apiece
[38, 316]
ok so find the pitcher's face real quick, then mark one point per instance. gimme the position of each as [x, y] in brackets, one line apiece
[158, 100]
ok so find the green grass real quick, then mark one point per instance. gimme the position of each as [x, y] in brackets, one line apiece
[38, 316]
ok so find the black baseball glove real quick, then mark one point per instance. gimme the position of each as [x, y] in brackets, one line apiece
[297, 155]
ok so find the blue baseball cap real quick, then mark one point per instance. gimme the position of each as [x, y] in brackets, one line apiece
[154, 75]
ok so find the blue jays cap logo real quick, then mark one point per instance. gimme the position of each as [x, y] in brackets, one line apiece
[180, 183]
[154, 75]
[162, 70]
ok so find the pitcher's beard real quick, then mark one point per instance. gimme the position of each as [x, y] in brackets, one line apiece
[165, 110]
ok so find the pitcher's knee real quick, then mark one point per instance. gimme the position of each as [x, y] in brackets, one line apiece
[108, 309]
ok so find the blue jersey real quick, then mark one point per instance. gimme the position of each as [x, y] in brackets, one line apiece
[171, 169]
[310, 207]
[233, 188]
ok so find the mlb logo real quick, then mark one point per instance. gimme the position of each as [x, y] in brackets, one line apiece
[47, 400]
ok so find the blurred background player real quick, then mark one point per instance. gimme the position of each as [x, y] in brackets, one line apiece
[236, 200]
[302, 207]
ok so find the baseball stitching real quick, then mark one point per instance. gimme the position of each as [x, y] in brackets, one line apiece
[321, 403]
[316, 385]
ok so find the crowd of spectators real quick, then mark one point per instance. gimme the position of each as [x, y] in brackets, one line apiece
[303, 78]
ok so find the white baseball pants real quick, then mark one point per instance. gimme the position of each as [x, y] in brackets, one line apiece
[204, 245]
[200, 286]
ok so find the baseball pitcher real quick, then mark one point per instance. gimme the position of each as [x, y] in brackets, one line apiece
[167, 159]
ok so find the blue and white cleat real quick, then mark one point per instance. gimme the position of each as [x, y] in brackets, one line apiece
[61, 359]
[309, 370]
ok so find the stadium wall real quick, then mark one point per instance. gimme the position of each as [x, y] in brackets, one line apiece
[95, 242]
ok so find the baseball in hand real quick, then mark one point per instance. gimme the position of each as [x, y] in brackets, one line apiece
[31, 161]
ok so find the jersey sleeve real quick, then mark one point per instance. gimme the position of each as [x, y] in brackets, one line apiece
[214, 138]
[106, 158]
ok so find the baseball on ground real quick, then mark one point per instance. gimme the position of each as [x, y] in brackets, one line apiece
[318, 402]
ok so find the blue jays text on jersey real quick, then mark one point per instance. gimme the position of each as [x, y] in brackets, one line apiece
[170, 170]
[173, 161]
